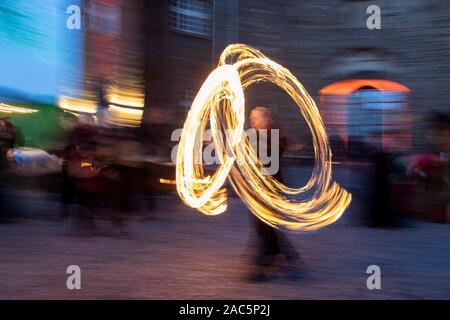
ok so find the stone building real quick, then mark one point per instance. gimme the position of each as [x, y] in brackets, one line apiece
[322, 42]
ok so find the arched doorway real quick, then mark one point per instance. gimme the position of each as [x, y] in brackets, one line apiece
[373, 111]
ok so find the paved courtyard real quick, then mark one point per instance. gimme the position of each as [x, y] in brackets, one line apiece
[178, 253]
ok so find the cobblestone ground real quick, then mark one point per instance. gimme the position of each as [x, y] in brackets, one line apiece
[178, 253]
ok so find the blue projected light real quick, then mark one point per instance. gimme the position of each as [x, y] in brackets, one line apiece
[39, 56]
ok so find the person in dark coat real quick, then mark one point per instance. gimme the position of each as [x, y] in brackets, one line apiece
[9, 137]
[271, 243]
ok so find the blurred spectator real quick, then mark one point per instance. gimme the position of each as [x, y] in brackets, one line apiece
[432, 169]
[101, 91]
[381, 210]
[77, 161]
[337, 145]
[9, 137]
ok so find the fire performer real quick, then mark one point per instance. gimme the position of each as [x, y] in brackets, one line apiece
[271, 243]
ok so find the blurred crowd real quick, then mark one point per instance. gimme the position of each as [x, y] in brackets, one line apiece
[103, 168]
[104, 173]
[404, 184]
[99, 172]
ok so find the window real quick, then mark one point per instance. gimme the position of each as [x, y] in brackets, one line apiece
[191, 16]
[368, 110]
[104, 18]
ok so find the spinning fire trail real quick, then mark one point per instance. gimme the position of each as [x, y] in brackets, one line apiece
[221, 103]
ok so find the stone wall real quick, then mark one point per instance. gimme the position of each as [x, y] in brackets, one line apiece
[325, 41]
[321, 42]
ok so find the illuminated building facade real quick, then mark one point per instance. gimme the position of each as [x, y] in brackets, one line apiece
[322, 42]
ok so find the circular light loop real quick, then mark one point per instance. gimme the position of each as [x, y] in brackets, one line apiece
[220, 101]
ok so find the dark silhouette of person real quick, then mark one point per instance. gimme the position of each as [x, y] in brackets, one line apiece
[270, 242]
[10, 135]
[81, 142]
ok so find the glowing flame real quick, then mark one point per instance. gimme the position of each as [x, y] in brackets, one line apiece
[124, 116]
[77, 105]
[127, 106]
[167, 181]
[7, 108]
[221, 103]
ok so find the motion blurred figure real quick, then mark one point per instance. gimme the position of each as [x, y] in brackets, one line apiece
[9, 136]
[101, 90]
[381, 211]
[270, 242]
[78, 172]
[337, 144]
[7, 140]
[434, 168]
